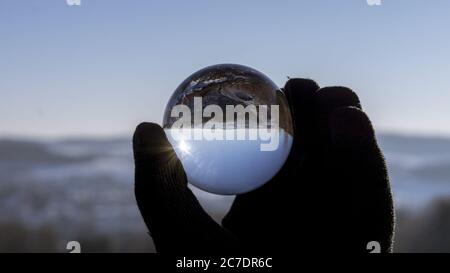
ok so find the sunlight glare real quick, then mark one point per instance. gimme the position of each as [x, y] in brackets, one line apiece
[184, 147]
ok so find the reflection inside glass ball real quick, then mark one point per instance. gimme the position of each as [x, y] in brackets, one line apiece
[231, 128]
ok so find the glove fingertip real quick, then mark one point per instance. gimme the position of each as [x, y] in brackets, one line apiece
[148, 134]
[351, 128]
[300, 92]
[150, 144]
[299, 83]
[334, 97]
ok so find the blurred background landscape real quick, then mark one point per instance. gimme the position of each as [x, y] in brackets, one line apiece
[52, 192]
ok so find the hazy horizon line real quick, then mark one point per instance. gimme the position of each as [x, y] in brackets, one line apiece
[124, 136]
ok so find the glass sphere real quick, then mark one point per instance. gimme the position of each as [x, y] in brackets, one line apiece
[231, 128]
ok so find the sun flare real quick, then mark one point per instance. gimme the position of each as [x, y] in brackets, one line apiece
[184, 147]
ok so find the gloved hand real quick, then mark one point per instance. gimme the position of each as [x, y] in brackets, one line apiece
[332, 194]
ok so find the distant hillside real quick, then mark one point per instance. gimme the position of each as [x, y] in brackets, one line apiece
[53, 191]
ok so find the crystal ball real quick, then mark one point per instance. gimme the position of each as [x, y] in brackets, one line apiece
[231, 128]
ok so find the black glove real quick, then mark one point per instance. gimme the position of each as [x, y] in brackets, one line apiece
[332, 194]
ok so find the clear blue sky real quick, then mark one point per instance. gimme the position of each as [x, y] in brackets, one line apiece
[101, 68]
